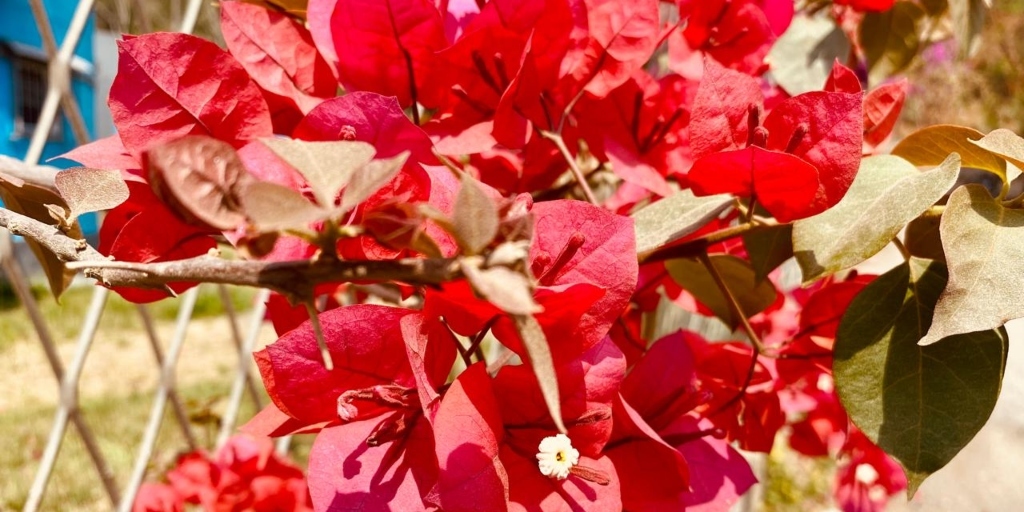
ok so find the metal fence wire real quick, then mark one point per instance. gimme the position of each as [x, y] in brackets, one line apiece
[68, 417]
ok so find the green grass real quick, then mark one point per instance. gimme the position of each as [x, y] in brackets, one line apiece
[118, 424]
[64, 319]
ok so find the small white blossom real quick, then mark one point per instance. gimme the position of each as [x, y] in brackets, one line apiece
[557, 456]
[866, 474]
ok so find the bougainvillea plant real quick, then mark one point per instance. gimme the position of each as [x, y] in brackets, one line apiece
[474, 214]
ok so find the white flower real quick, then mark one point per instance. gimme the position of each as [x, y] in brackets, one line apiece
[557, 456]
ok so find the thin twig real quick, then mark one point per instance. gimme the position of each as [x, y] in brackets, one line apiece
[734, 305]
[574, 166]
[902, 248]
[697, 246]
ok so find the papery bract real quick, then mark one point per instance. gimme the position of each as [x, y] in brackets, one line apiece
[279, 55]
[171, 85]
[385, 46]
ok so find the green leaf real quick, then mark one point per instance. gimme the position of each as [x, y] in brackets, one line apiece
[474, 217]
[803, 57]
[327, 166]
[982, 241]
[768, 248]
[542, 363]
[922, 238]
[675, 217]
[752, 296]
[921, 405]
[930, 146]
[888, 193]
[507, 289]
[968, 19]
[891, 39]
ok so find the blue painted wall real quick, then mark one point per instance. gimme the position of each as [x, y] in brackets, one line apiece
[18, 26]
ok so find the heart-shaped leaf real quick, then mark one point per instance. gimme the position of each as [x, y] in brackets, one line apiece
[981, 239]
[921, 405]
[888, 193]
[327, 166]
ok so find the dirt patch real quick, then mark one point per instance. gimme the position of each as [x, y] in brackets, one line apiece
[121, 362]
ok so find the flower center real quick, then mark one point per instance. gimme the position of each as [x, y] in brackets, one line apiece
[556, 457]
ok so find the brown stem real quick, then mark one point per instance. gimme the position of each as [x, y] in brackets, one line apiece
[559, 142]
[294, 278]
[697, 246]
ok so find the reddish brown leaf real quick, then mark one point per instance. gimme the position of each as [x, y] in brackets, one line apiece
[202, 179]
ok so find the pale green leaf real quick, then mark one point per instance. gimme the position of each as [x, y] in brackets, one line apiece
[273, 207]
[891, 39]
[888, 193]
[327, 166]
[752, 296]
[543, 364]
[370, 178]
[507, 289]
[982, 241]
[802, 58]
[921, 405]
[474, 217]
[1007, 145]
[675, 217]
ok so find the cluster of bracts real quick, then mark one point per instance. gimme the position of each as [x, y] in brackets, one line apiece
[642, 98]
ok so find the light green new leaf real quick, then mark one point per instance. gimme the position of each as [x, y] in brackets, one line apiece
[891, 39]
[675, 217]
[803, 57]
[768, 248]
[327, 166]
[475, 217]
[921, 405]
[930, 146]
[543, 364]
[888, 193]
[982, 241]
[693, 276]
[369, 178]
